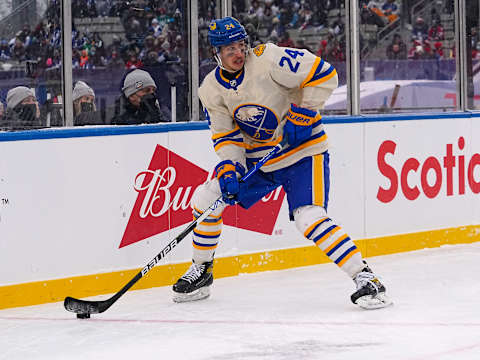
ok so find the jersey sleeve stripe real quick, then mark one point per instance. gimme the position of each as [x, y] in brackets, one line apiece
[327, 77]
[315, 139]
[322, 137]
[317, 66]
[230, 133]
[263, 146]
[220, 144]
[316, 76]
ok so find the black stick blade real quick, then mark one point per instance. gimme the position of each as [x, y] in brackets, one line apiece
[84, 307]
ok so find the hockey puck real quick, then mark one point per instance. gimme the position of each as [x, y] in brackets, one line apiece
[83, 316]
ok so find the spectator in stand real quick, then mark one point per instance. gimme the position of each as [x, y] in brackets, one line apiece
[170, 6]
[285, 40]
[2, 112]
[391, 10]
[23, 111]
[320, 16]
[475, 36]
[252, 33]
[267, 19]
[4, 50]
[475, 51]
[375, 7]
[367, 16]
[397, 49]
[305, 17]
[167, 55]
[155, 28]
[18, 50]
[428, 48]
[152, 59]
[301, 45]
[278, 27]
[438, 50]
[133, 62]
[84, 58]
[84, 109]
[256, 11]
[420, 29]
[337, 52]
[337, 27]
[148, 46]
[322, 50]
[138, 103]
[436, 31]
[417, 51]
[179, 49]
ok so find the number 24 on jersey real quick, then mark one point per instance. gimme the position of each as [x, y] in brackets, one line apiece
[292, 64]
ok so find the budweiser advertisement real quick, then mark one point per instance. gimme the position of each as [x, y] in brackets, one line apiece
[165, 191]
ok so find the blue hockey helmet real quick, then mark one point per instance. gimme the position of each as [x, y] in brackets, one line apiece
[225, 31]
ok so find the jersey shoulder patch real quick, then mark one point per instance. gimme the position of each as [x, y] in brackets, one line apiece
[259, 49]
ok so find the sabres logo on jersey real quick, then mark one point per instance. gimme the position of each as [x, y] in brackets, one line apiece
[256, 121]
[259, 49]
[213, 25]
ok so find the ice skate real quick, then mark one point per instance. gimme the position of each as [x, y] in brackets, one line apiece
[195, 283]
[370, 292]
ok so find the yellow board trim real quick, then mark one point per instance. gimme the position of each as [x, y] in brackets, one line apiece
[48, 291]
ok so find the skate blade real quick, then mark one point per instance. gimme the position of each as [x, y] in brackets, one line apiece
[199, 294]
[378, 301]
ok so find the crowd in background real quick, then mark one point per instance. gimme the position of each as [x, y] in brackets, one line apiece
[155, 34]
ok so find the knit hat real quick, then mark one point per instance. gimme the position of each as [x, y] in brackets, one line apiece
[137, 80]
[81, 89]
[16, 95]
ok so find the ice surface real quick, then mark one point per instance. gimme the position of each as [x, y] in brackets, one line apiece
[302, 313]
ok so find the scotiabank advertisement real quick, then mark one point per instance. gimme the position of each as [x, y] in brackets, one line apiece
[87, 205]
[421, 175]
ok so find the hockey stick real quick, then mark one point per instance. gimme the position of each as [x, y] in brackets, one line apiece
[84, 308]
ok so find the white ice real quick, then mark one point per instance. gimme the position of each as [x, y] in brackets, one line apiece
[302, 313]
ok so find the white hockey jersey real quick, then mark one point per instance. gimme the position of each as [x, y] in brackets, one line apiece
[246, 115]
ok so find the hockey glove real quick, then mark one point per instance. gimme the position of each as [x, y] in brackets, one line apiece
[227, 174]
[298, 127]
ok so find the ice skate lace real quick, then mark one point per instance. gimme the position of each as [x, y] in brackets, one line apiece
[193, 273]
[365, 278]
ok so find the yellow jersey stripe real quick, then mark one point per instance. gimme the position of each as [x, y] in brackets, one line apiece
[297, 149]
[220, 135]
[321, 80]
[311, 73]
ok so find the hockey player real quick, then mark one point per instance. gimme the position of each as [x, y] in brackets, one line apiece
[252, 100]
